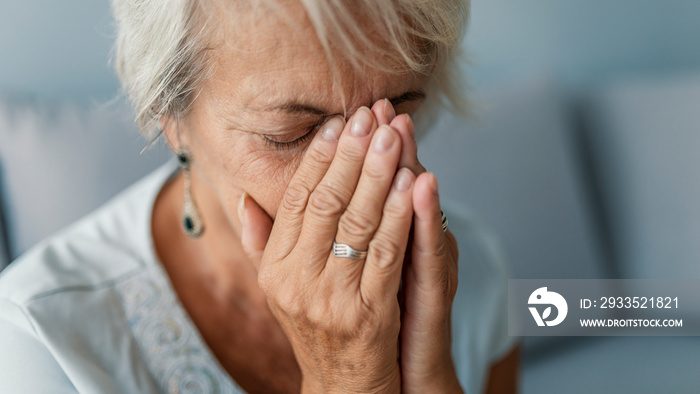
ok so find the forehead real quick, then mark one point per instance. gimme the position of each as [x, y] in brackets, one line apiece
[260, 61]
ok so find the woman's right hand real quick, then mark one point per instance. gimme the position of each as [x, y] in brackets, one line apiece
[341, 315]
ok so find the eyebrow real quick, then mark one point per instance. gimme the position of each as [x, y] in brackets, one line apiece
[302, 109]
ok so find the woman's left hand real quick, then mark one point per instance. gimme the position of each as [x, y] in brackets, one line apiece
[429, 276]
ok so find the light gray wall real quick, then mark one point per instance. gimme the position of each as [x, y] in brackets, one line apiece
[583, 42]
[56, 48]
[61, 48]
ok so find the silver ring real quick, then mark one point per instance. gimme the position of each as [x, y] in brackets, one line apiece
[345, 250]
[444, 221]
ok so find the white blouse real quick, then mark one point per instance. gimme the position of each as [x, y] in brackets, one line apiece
[91, 309]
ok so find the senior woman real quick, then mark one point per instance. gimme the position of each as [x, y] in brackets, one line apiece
[309, 250]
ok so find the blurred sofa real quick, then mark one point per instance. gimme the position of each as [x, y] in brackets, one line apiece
[581, 185]
[597, 185]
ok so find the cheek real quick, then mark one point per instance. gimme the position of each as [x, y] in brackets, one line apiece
[265, 174]
[238, 163]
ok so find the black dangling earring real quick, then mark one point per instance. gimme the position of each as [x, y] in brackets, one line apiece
[191, 220]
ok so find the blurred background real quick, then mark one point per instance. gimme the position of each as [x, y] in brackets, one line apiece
[582, 157]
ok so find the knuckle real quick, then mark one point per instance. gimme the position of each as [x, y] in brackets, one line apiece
[324, 201]
[294, 199]
[397, 211]
[374, 173]
[316, 315]
[386, 250]
[289, 302]
[355, 326]
[351, 152]
[356, 224]
[354, 323]
[320, 315]
[441, 251]
[319, 156]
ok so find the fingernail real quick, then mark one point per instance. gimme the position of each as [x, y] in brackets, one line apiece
[333, 128]
[404, 179]
[383, 139]
[361, 122]
[241, 209]
[389, 111]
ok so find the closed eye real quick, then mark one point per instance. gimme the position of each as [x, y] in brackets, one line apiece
[284, 145]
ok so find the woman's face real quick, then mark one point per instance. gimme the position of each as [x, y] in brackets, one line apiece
[270, 90]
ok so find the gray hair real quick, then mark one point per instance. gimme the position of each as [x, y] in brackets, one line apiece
[161, 46]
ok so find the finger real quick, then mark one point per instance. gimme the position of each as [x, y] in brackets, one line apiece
[383, 111]
[317, 159]
[427, 236]
[409, 156]
[257, 226]
[430, 249]
[381, 275]
[332, 195]
[364, 212]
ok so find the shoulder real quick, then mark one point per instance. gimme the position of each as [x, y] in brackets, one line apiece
[25, 357]
[37, 298]
[83, 255]
[80, 258]
[61, 306]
